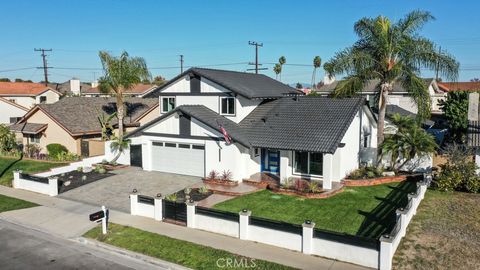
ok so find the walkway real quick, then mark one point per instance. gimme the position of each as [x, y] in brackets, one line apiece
[70, 219]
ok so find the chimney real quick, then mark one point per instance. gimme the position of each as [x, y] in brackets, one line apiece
[94, 83]
[75, 86]
[328, 80]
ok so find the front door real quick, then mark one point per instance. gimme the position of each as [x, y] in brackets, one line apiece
[271, 161]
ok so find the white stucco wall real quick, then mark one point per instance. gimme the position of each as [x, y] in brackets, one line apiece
[344, 252]
[51, 96]
[27, 102]
[207, 86]
[8, 110]
[169, 125]
[182, 85]
[275, 237]
[217, 225]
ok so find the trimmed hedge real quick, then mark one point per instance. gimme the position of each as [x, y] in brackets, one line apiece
[54, 149]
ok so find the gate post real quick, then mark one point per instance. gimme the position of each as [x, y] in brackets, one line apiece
[158, 208]
[16, 178]
[53, 186]
[307, 236]
[191, 214]
[243, 226]
[386, 253]
[133, 204]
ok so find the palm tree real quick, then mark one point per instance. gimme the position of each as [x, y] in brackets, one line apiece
[317, 62]
[282, 60]
[277, 69]
[120, 74]
[391, 53]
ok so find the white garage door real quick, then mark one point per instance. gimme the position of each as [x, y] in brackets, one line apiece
[180, 158]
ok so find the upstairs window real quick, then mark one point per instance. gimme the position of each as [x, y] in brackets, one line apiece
[168, 104]
[227, 105]
[43, 99]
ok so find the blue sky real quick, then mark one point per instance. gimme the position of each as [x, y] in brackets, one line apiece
[211, 33]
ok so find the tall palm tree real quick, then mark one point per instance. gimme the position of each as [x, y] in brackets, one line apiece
[317, 62]
[277, 69]
[282, 60]
[120, 74]
[391, 52]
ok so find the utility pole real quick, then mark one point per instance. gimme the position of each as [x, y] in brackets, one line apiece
[181, 63]
[256, 44]
[45, 67]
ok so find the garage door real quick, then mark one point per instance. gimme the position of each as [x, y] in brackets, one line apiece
[180, 158]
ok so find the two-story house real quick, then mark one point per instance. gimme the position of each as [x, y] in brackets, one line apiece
[248, 124]
[28, 94]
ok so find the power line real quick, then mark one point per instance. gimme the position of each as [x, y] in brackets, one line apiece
[45, 67]
[17, 69]
[256, 44]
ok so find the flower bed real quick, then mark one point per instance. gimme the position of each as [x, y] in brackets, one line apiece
[374, 181]
[109, 166]
[74, 179]
[194, 195]
[220, 182]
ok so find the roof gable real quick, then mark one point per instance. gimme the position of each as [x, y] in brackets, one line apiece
[13, 104]
[23, 89]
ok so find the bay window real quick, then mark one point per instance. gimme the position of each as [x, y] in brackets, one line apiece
[308, 163]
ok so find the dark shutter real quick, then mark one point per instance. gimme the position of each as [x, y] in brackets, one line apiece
[195, 84]
[185, 125]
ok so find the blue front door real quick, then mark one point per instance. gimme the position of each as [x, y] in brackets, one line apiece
[271, 161]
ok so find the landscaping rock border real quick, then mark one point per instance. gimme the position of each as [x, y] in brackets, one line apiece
[220, 182]
[374, 181]
[320, 195]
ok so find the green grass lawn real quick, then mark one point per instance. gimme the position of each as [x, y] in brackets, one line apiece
[444, 234]
[8, 204]
[364, 211]
[8, 165]
[169, 249]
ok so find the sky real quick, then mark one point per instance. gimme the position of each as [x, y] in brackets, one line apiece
[212, 33]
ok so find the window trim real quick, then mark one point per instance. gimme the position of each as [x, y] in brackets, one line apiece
[294, 172]
[34, 138]
[167, 97]
[234, 106]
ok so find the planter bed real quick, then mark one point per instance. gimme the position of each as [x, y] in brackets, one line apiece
[379, 180]
[110, 167]
[195, 195]
[220, 182]
[75, 179]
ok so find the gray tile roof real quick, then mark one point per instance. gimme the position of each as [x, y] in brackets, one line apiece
[370, 87]
[80, 114]
[246, 84]
[27, 128]
[306, 123]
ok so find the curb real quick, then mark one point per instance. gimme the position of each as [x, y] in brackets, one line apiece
[127, 253]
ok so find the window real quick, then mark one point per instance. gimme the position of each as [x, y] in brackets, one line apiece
[35, 138]
[227, 105]
[308, 163]
[170, 144]
[186, 146]
[157, 143]
[366, 140]
[43, 99]
[199, 147]
[256, 152]
[13, 120]
[168, 104]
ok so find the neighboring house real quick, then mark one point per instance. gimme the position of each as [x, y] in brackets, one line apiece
[28, 94]
[138, 90]
[399, 96]
[249, 124]
[71, 87]
[459, 86]
[73, 122]
[10, 112]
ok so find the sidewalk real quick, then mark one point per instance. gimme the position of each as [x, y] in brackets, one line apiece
[69, 219]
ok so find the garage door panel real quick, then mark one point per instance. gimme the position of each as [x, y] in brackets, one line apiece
[178, 160]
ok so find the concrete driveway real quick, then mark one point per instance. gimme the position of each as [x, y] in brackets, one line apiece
[114, 191]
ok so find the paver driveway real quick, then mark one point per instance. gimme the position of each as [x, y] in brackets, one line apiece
[114, 191]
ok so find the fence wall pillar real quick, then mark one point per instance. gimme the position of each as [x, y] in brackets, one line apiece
[53, 186]
[158, 208]
[386, 253]
[191, 214]
[307, 237]
[244, 220]
[16, 178]
[133, 204]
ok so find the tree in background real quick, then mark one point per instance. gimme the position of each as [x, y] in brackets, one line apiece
[409, 141]
[7, 139]
[277, 69]
[299, 86]
[475, 80]
[159, 80]
[4, 80]
[455, 109]
[282, 61]
[317, 62]
[391, 53]
[121, 74]
[20, 80]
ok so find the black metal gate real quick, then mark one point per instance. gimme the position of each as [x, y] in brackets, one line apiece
[175, 211]
[136, 155]
[84, 148]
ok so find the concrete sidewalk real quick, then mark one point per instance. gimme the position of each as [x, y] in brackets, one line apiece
[50, 217]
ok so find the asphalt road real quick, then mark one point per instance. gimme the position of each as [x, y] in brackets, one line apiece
[24, 248]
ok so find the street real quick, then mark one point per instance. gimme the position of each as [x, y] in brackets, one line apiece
[24, 248]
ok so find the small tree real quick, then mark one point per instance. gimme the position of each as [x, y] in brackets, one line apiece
[409, 142]
[299, 86]
[119, 146]
[7, 139]
[455, 109]
[277, 69]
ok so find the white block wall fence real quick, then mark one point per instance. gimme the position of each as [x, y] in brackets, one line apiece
[86, 162]
[43, 185]
[302, 238]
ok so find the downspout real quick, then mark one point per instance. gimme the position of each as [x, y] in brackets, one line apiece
[360, 136]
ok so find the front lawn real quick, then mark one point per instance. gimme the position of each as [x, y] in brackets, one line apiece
[8, 165]
[364, 211]
[8, 204]
[173, 250]
[444, 234]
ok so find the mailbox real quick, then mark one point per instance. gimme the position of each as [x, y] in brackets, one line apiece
[97, 215]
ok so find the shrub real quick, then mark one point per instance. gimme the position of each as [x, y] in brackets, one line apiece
[203, 190]
[102, 170]
[366, 172]
[313, 187]
[227, 175]
[172, 197]
[460, 171]
[32, 150]
[7, 139]
[187, 190]
[300, 185]
[67, 156]
[80, 169]
[213, 175]
[54, 149]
